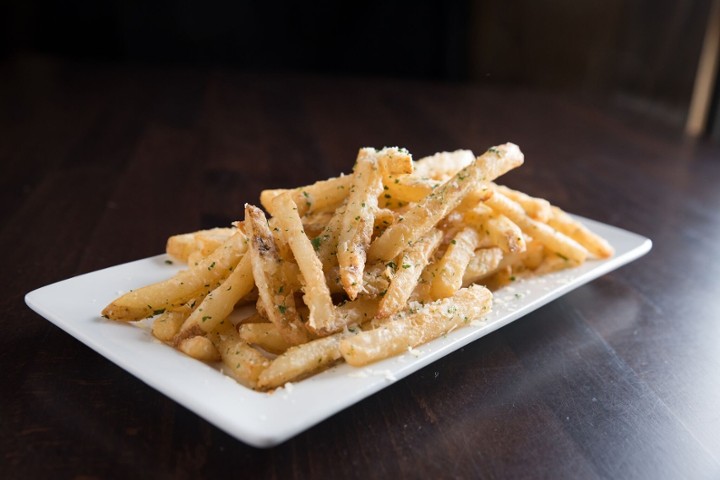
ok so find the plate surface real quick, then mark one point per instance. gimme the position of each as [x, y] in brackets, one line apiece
[262, 419]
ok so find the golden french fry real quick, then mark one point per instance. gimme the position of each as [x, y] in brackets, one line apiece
[375, 280]
[274, 294]
[499, 230]
[300, 361]
[187, 284]
[264, 335]
[563, 246]
[204, 242]
[595, 244]
[167, 325]
[316, 292]
[537, 208]
[325, 244]
[358, 220]
[315, 223]
[447, 273]
[322, 195]
[443, 165]
[484, 262]
[430, 210]
[404, 331]
[407, 271]
[403, 189]
[219, 303]
[199, 348]
[240, 360]
[424, 215]
[356, 312]
[329, 194]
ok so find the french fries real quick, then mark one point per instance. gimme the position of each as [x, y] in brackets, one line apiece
[411, 329]
[276, 298]
[155, 299]
[317, 293]
[356, 268]
[358, 219]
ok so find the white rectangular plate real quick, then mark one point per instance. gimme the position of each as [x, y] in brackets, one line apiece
[263, 419]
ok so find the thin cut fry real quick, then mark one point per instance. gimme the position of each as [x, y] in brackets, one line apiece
[595, 244]
[322, 195]
[241, 361]
[484, 262]
[429, 211]
[443, 165]
[448, 272]
[358, 220]
[167, 325]
[264, 335]
[407, 272]
[536, 208]
[300, 361]
[417, 221]
[277, 299]
[200, 348]
[564, 246]
[180, 247]
[187, 284]
[409, 330]
[317, 294]
[219, 303]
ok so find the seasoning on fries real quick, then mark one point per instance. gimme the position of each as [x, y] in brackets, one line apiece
[357, 268]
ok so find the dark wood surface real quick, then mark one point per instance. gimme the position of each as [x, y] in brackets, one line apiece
[618, 379]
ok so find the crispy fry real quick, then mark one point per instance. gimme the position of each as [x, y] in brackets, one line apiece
[564, 223]
[447, 273]
[498, 229]
[417, 221]
[564, 246]
[167, 325]
[375, 280]
[537, 208]
[300, 361]
[316, 291]
[358, 220]
[204, 242]
[200, 348]
[403, 331]
[219, 303]
[326, 243]
[484, 262]
[277, 299]
[329, 194]
[356, 312]
[407, 271]
[187, 284]
[443, 165]
[404, 189]
[264, 335]
[240, 360]
[322, 195]
[430, 210]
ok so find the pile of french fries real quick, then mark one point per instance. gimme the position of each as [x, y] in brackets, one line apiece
[357, 268]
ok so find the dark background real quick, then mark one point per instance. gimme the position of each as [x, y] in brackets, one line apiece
[642, 54]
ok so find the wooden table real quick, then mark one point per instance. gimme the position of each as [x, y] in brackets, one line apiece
[618, 379]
